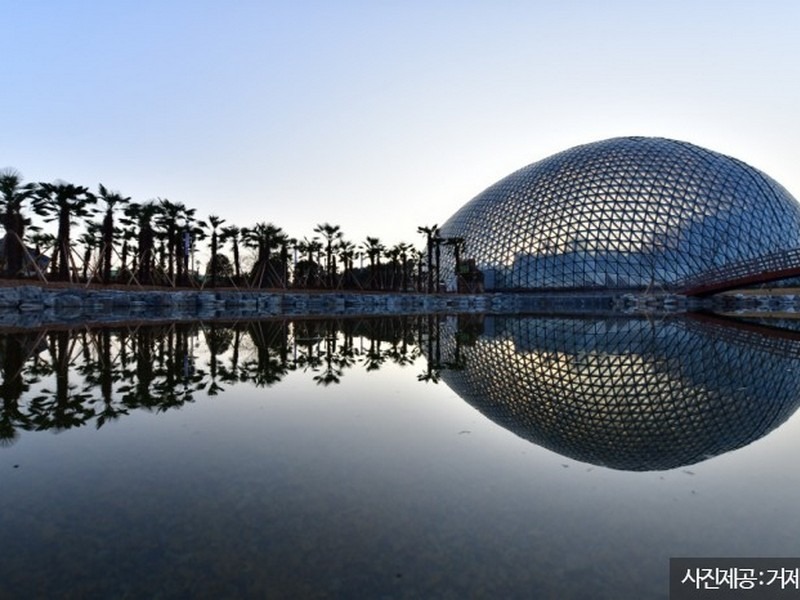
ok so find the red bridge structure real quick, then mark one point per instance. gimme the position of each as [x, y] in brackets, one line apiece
[764, 269]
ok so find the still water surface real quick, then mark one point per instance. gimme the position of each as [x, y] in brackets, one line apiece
[399, 458]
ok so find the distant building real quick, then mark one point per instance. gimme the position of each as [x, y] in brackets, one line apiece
[628, 212]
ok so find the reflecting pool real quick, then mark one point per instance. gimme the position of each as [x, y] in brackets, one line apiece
[422, 456]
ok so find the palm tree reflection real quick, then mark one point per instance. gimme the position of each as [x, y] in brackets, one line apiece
[61, 379]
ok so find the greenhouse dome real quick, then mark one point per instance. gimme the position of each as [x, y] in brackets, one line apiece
[630, 212]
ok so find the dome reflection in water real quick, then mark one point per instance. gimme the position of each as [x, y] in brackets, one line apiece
[626, 394]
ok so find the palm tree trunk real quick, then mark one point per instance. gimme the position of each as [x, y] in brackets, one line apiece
[214, 258]
[108, 240]
[236, 268]
[14, 226]
[63, 245]
[430, 265]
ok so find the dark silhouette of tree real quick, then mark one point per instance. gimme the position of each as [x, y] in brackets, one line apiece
[192, 232]
[231, 233]
[143, 215]
[430, 233]
[174, 220]
[402, 351]
[374, 357]
[458, 245]
[437, 244]
[176, 378]
[218, 340]
[14, 352]
[63, 202]
[221, 265]
[137, 393]
[393, 254]
[270, 340]
[13, 195]
[214, 222]
[433, 365]
[420, 265]
[68, 405]
[332, 368]
[347, 253]
[331, 234]
[129, 233]
[307, 269]
[113, 200]
[307, 339]
[101, 372]
[285, 242]
[373, 249]
[91, 240]
[403, 250]
[230, 372]
[264, 238]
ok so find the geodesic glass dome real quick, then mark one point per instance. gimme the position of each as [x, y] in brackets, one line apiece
[627, 212]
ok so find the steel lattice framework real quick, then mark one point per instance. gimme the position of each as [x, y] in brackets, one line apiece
[627, 212]
[626, 395]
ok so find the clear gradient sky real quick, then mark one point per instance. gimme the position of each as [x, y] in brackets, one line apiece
[380, 115]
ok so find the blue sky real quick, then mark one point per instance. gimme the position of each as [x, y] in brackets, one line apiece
[379, 116]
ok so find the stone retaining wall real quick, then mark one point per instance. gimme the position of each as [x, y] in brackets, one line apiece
[36, 306]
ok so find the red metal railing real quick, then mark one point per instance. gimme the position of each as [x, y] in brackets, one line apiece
[771, 267]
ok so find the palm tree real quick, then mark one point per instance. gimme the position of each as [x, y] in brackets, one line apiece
[373, 248]
[285, 242]
[168, 219]
[418, 256]
[143, 215]
[347, 252]
[265, 237]
[270, 363]
[433, 355]
[129, 232]
[393, 254]
[458, 245]
[232, 232]
[90, 240]
[437, 244]
[190, 232]
[16, 349]
[14, 194]
[403, 249]
[63, 202]
[213, 222]
[309, 267]
[330, 233]
[112, 200]
[430, 232]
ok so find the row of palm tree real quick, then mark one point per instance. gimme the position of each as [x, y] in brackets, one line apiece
[155, 243]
